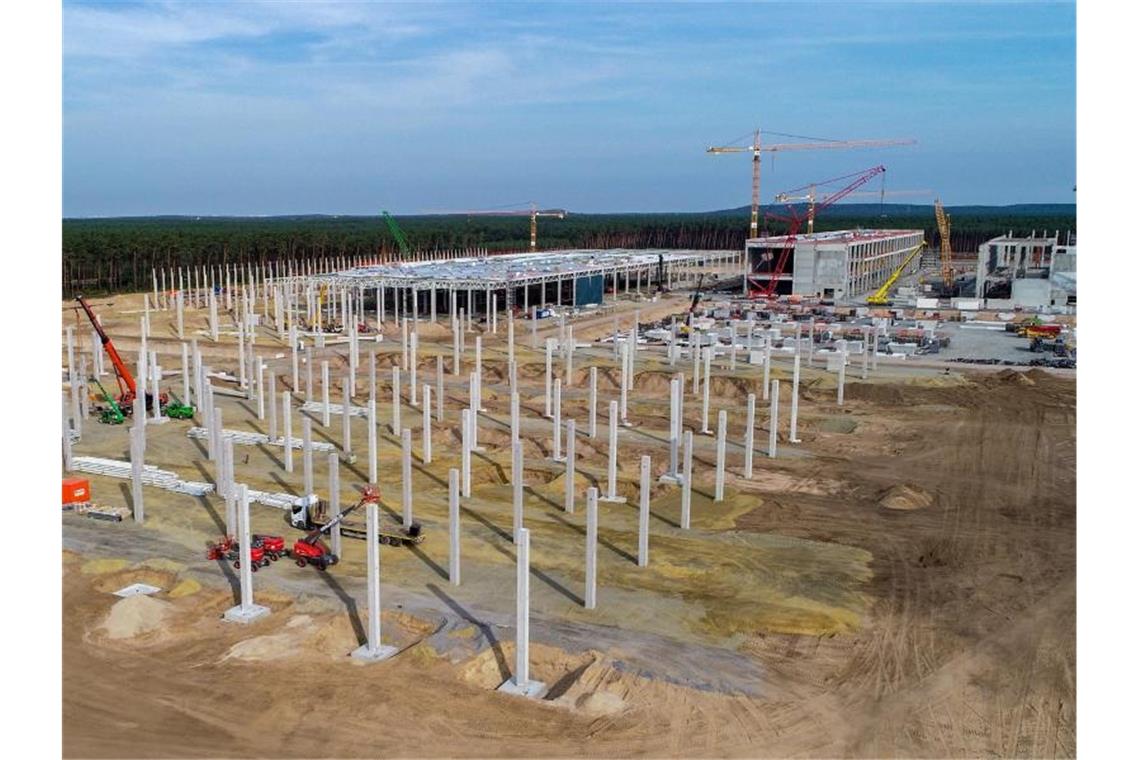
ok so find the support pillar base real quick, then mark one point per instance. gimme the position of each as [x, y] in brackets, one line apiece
[244, 615]
[672, 478]
[530, 689]
[382, 652]
[612, 499]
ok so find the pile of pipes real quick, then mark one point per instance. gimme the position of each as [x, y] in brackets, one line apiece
[151, 475]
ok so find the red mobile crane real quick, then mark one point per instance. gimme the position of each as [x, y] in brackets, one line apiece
[795, 221]
[127, 387]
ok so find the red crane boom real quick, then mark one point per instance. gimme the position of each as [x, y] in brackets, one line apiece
[795, 221]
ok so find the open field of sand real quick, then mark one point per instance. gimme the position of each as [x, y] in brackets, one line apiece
[900, 583]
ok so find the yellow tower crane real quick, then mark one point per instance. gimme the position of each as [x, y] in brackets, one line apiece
[943, 220]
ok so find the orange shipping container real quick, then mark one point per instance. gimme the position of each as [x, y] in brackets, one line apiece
[76, 490]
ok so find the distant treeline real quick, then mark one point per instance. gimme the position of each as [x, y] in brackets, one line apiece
[116, 255]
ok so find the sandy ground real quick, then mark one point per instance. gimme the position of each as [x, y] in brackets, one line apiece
[901, 583]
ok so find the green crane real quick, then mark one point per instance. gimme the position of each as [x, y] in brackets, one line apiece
[110, 415]
[401, 241]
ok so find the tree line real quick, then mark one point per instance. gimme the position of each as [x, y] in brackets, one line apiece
[117, 255]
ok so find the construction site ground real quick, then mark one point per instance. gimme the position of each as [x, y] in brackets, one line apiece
[900, 583]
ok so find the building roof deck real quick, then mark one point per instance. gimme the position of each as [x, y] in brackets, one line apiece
[833, 236]
[512, 269]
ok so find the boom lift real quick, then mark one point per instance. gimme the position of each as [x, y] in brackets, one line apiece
[127, 387]
[109, 415]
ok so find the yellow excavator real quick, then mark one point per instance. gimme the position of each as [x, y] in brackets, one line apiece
[881, 296]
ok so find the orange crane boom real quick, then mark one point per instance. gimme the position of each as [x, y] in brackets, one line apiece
[756, 148]
[123, 375]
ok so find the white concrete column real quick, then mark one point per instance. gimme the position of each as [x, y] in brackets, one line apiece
[406, 476]
[325, 413]
[792, 433]
[271, 393]
[593, 402]
[465, 451]
[521, 684]
[866, 349]
[773, 418]
[373, 650]
[439, 388]
[473, 397]
[514, 417]
[516, 489]
[643, 515]
[404, 343]
[334, 502]
[721, 431]
[687, 479]
[138, 454]
[611, 472]
[396, 400]
[591, 594]
[623, 383]
[767, 365]
[557, 448]
[247, 611]
[705, 397]
[569, 476]
[750, 430]
[346, 417]
[307, 454]
[412, 384]
[287, 420]
[372, 474]
[511, 339]
[427, 424]
[259, 379]
[842, 377]
[453, 525]
[549, 358]
[674, 428]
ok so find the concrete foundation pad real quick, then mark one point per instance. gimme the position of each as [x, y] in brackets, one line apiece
[382, 652]
[614, 500]
[556, 459]
[159, 421]
[673, 479]
[244, 615]
[530, 689]
[479, 449]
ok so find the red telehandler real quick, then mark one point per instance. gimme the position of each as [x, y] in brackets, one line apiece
[127, 387]
[310, 550]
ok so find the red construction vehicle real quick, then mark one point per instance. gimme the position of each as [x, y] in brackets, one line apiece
[310, 550]
[127, 388]
[273, 546]
[227, 549]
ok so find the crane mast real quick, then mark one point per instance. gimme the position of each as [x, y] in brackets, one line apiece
[943, 220]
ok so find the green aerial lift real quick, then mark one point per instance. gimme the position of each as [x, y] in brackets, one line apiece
[178, 411]
[109, 415]
[401, 241]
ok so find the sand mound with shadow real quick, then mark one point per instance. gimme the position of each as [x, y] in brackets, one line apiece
[905, 496]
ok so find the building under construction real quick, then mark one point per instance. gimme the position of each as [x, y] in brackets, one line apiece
[842, 264]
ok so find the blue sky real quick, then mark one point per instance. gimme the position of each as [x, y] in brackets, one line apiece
[349, 108]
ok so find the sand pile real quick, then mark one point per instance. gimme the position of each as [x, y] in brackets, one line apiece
[136, 616]
[276, 646]
[1013, 377]
[905, 496]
